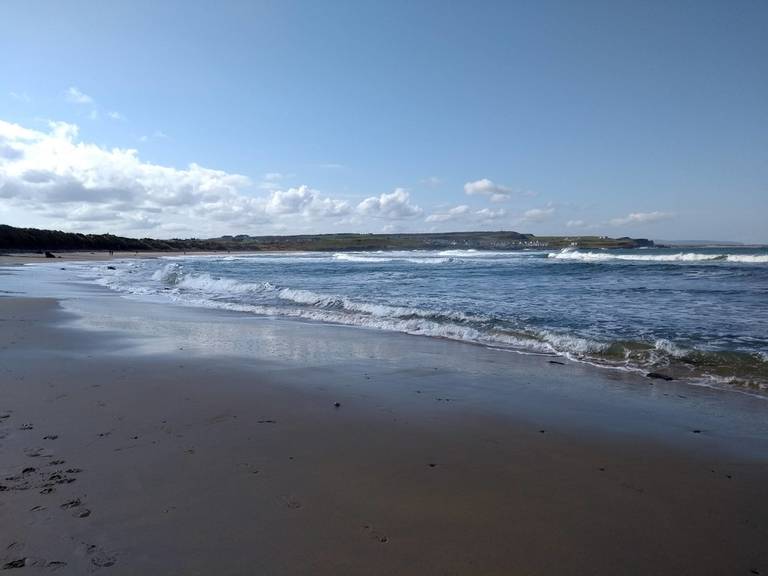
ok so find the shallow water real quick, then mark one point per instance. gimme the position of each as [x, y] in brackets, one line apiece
[699, 314]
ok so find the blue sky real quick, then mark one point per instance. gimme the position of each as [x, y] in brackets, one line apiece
[199, 118]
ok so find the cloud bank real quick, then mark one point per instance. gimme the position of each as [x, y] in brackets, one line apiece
[75, 185]
[486, 187]
[51, 178]
[394, 205]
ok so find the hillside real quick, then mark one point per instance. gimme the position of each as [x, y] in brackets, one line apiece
[32, 239]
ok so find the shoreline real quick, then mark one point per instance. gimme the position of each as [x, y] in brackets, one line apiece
[703, 369]
[209, 442]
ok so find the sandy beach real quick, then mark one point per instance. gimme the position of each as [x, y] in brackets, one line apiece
[383, 288]
[140, 438]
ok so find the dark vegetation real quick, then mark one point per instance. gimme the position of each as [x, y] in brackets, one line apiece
[32, 239]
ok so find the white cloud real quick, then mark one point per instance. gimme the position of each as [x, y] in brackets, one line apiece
[536, 215]
[306, 202]
[464, 216]
[20, 96]
[431, 182]
[271, 180]
[500, 197]
[486, 214]
[52, 179]
[156, 135]
[641, 218]
[451, 214]
[576, 224]
[75, 96]
[485, 187]
[55, 176]
[394, 205]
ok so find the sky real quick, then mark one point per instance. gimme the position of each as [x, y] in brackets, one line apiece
[196, 119]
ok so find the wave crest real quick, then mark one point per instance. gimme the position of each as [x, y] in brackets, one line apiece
[179, 282]
[346, 257]
[679, 257]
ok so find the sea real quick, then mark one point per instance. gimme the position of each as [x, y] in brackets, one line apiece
[699, 315]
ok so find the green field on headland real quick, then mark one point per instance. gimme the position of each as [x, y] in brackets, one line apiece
[26, 239]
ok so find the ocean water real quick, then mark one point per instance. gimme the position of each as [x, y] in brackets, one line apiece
[700, 315]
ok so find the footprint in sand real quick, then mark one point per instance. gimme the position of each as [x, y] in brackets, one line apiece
[631, 487]
[24, 562]
[221, 418]
[249, 467]
[290, 502]
[375, 534]
[74, 503]
[100, 558]
[103, 561]
[59, 478]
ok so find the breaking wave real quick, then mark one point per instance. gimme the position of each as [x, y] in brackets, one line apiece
[194, 287]
[441, 257]
[347, 257]
[568, 254]
[173, 276]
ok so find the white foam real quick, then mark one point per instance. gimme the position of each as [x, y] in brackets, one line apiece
[343, 257]
[679, 257]
[572, 345]
[583, 256]
[168, 274]
[471, 253]
[220, 286]
[748, 258]
[413, 326]
[347, 257]
[669, 347]
[409, 314]
[342, 303]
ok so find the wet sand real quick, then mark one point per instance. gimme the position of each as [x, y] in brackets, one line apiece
[135, 439]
